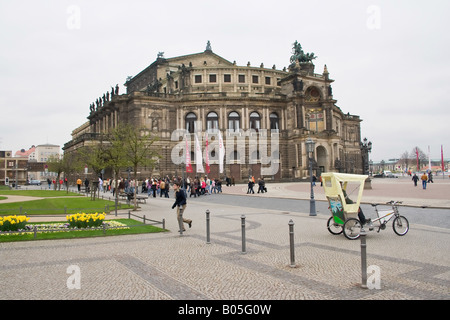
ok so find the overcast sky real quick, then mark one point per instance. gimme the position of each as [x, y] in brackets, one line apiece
[389, 59]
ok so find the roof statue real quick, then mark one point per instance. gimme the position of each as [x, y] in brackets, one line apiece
[299, 55]
[208, 46]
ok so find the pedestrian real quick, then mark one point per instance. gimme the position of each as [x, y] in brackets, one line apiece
[261, 185]
[219, 185]
[202, 186]
[188, 184]
[86, 185]
[424, 180]
[213, 186]
[79, 184]
[154, 187]
[415, 178]
[250, 186]
[180, 203]
[430, 177]
[166, 189]
[208, 185]
[113, 186]
[162, 185]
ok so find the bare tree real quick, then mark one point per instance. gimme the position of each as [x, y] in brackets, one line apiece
[139, 151]
[422, 157]
[405, 160]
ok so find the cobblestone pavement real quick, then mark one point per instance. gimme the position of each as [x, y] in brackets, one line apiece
[170, 266]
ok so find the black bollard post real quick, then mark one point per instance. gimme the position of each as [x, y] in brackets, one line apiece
[207, 227]
[291, 240]
[363, 259]
[243, 234]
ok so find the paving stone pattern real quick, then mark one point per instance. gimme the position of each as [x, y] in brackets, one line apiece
[169, 266]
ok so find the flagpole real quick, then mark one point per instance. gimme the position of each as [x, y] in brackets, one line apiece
[429, 159]
[185, 165]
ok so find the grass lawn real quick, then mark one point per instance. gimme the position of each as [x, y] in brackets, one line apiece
[39, 193]
[54, 203]
[135, 227]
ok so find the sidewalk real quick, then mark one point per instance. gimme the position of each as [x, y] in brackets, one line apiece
[169, 266]
[437, 194]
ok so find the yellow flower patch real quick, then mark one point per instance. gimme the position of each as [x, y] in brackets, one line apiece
[13, 223]
[85, 220]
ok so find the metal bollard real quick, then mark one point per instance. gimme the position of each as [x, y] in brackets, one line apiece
[208, 240]
[291, 241]
[363, 259]
[243, 234]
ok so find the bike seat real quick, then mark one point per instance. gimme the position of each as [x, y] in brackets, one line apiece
[374, 204]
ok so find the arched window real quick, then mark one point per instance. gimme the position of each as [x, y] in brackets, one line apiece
[233, 121]
[255, 121]
[190, 122]
[274, 122]
[212, 121]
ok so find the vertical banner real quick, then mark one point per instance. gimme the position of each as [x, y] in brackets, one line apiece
[198, 156]
[207, 168]
[429, 159]
[221, 152]
[188, 158]
[417, 159]
[442, 160]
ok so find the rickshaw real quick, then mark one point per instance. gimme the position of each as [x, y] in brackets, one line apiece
[344, 212]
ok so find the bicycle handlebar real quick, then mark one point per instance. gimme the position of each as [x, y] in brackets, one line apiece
[392, 202]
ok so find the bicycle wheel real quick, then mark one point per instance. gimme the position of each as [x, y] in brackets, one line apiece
[400, 225]
[334, 227]
[352, 228]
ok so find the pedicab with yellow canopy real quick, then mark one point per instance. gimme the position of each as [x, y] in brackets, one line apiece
[344, 218]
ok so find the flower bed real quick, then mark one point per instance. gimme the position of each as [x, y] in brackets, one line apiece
[62, 227]
[80, 221]
[13, 223]
[83, 220]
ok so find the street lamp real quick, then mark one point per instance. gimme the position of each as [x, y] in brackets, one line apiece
[310, 149]
[366, 148]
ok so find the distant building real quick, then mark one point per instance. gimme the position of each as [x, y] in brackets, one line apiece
[30, 153]
[198, 92]
[37, 169]
[12, 169]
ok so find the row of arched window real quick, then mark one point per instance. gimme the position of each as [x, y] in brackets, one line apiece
[234, 121]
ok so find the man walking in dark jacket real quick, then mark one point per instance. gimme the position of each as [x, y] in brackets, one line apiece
[180, 203]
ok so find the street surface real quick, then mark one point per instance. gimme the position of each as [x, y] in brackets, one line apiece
[170, 266]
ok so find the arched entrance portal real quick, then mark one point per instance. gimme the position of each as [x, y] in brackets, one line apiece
[322, 160]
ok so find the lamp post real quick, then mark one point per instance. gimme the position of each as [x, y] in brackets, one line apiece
[366, 148]
[310, 149]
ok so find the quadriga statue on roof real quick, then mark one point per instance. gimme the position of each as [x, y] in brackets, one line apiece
[299, 55]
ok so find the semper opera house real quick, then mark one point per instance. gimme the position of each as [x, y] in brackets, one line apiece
[264, 116]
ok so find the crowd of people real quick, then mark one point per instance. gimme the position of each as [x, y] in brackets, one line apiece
[251, 183]
[425, 178]
[159, 186]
